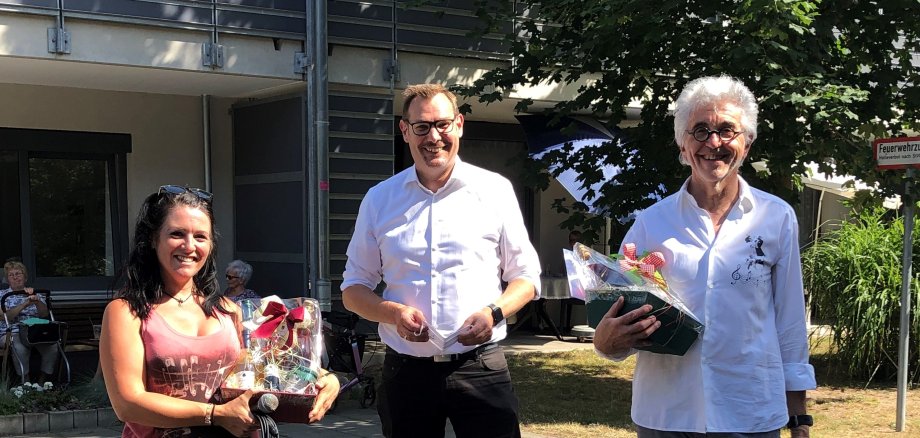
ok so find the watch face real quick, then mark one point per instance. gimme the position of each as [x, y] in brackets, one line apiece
[497, 315]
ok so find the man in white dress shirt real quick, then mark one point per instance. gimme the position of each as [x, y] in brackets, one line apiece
[442, 235]
[732, 256]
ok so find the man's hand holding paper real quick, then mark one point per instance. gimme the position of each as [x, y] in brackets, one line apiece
[477, 329]
[411, 324]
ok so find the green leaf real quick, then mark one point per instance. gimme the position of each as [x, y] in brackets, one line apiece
[826, 74]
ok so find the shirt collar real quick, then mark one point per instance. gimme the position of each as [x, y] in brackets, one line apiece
[459, 175]
[745, 197]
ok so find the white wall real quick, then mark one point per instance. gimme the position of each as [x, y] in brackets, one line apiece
[166, 131]
[833, 212]
[552, 237]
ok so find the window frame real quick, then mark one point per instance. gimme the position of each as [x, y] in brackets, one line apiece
[112, 149]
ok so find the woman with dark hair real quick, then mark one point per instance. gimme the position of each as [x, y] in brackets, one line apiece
[169, 336]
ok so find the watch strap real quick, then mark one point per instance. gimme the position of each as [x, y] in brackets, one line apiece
[497, 314]
[800, 420]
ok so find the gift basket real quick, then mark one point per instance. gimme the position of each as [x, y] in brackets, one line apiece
[637, 279]
[282, 350]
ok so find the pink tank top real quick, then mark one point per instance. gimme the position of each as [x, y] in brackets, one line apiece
[182, 366]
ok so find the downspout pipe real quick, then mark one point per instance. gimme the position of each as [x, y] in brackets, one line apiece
[817, 231]
[206, 141]
[59, 18]
[309, 212]
[316, 120]
[321, 183]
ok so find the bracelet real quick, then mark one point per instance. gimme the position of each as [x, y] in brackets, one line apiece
[209, 417]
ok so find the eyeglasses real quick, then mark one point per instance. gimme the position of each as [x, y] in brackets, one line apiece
[423, 128]
[232, 277]
[702, 134]
[178, 190]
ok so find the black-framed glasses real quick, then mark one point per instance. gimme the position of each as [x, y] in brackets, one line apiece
[702, 134]
[231, 277]
[423, 128]
[178, 190]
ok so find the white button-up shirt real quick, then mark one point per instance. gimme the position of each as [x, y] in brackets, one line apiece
[745, 286]
[444, 253]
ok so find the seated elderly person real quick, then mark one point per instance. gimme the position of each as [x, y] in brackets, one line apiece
[238, 275]
[20, 308]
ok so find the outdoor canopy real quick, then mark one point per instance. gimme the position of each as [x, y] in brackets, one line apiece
[543, 137]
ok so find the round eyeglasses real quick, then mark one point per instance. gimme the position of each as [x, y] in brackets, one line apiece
[702, 134]
[423, 128]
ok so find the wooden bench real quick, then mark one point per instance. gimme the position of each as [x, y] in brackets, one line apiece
[80, 317]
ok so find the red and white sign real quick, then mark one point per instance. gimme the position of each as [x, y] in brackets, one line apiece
[897, 153]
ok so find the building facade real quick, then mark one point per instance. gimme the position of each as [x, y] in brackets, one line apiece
[286, 110]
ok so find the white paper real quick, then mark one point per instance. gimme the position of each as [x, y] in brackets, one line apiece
[574, 274]
[440, 341]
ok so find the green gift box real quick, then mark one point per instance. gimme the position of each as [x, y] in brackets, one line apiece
[678, 329]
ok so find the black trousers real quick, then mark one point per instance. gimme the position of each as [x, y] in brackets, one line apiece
[417, 396]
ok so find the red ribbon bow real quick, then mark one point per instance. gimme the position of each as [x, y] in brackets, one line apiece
[646, 267]
[278, 312]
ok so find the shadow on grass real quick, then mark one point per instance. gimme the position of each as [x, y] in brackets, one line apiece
[831, 372]
[572, 387]
[831, 367]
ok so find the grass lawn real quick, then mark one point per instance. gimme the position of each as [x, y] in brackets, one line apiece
[576, 394]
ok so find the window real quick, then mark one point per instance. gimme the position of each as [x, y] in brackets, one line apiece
[62, 206]
[10, 230]
[71, 219]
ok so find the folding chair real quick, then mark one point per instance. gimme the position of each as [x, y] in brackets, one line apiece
[53, 332]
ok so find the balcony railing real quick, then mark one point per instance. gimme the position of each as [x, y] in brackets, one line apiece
[438, 27]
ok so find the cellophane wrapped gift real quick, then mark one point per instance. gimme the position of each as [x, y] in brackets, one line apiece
[638, 280]
[282, 352]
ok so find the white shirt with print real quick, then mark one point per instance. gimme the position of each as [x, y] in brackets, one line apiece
[745, 285]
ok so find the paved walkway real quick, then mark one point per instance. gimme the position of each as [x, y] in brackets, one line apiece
[350, 419]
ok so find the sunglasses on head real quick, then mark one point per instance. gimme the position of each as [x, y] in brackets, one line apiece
[178, 190]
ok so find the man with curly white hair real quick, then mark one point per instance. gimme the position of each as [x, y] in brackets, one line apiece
[732, 256]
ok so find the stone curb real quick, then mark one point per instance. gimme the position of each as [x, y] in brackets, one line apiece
[58, 421]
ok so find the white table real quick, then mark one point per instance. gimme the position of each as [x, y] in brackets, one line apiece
[555, 288]
[551, 288]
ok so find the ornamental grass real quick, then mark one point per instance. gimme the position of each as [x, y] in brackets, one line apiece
[853, 275]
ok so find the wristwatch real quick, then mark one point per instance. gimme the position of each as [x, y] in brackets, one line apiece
[497, 315]
[800, 420]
